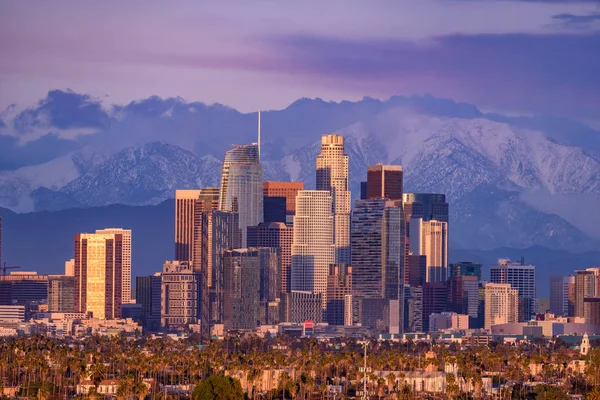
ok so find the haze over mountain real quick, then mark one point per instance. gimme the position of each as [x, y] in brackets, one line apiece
[511, 181]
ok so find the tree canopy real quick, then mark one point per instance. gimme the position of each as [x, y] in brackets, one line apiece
[218, 387]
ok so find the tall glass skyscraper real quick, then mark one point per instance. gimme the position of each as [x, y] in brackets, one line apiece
[378, 249]
[332, 175]
[242, 186]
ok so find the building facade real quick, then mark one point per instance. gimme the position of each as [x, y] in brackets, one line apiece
[148, 295]
[312, 247]
[242, 186]
[430, 239]
[384, 182]
[277, 235]
[126, 260]
[562, 295]
[289, 190]
[586, 286]
[61, 293]
[180, 295]
[339, 295]
[98, 274]
[332, 176]
[520, 277]
[501, 304]
[465, 268]
[302, 306]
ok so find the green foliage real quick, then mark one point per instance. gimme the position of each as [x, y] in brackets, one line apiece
[547, 392]
[218, 387]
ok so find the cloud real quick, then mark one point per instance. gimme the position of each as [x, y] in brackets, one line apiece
[14, 155]
[541, 73]
[63, 110]
[572, 21]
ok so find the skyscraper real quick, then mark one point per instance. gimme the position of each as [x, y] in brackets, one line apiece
[520, 277]
[274, 209]
[435, 300]
[430, 239]
[463, 295]
[61, 293]
[413, 308]
[312, 246]
[501, 304]
[98, 274]
[277, 235]
[586, 286]
[242, 186]
[465, 268]
[189, 206]
[289, 190]
[339, 295]
[377, 249]
[126, 260]
[148, 295]
[332, 175]
[180, 295]
[384, 182]
[562, 295]
[1, 264]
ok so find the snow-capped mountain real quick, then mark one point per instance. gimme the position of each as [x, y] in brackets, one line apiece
[502, 176]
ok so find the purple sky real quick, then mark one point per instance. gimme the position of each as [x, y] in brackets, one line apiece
[510, 56]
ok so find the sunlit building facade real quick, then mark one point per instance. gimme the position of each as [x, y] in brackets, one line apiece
[126, 260]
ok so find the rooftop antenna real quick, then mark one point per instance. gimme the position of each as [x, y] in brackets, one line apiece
[259, 134]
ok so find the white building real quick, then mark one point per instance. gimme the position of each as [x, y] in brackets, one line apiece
[501, 304]
[520, 277]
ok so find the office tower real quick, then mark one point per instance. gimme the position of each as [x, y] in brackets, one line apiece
[586, 285]
[61, 293]
[302, 306]
[148, 295]
[1, 263]
[384, 182]
[428, 206]
[363, 190]
[70, 267]
[274, 209]
[218, 231]
[189, 206]
[465, 268]
[592, 306]
[501, 304]
[430, 239]
[562, 295]
[377, 249]
[339, 295]
[332, 175]
[413, 308]
[180, 295]
[125, 261]
[242, 186]
[520, 277]
[277, 235]
[289, 190]
[98, 274]
[435, 300]
[416, 271]
[463, 295]
[24, 288]
[312, 246]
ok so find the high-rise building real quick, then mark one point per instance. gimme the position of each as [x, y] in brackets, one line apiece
[592, 307]
[242, 186]
[189, 206]
[413, 308]
[430, 239]
[219, 231]
[384, 182]
[562, 295]
[312, 247]
[586, 286]
[332, 175]
[61, 293]
[180, 295]
[274, 209]
[520, 277]
[301, 306]
[98, 274]
[339, 295]
[126, 260]
[377, 249]
[501, 304]
[289, 190]
[148, 295]
[278, 235]
[70, 267]
[465, 268]
[416, 271]
[435, 300]
[24, 288]
[1, 263]
[463, 295]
